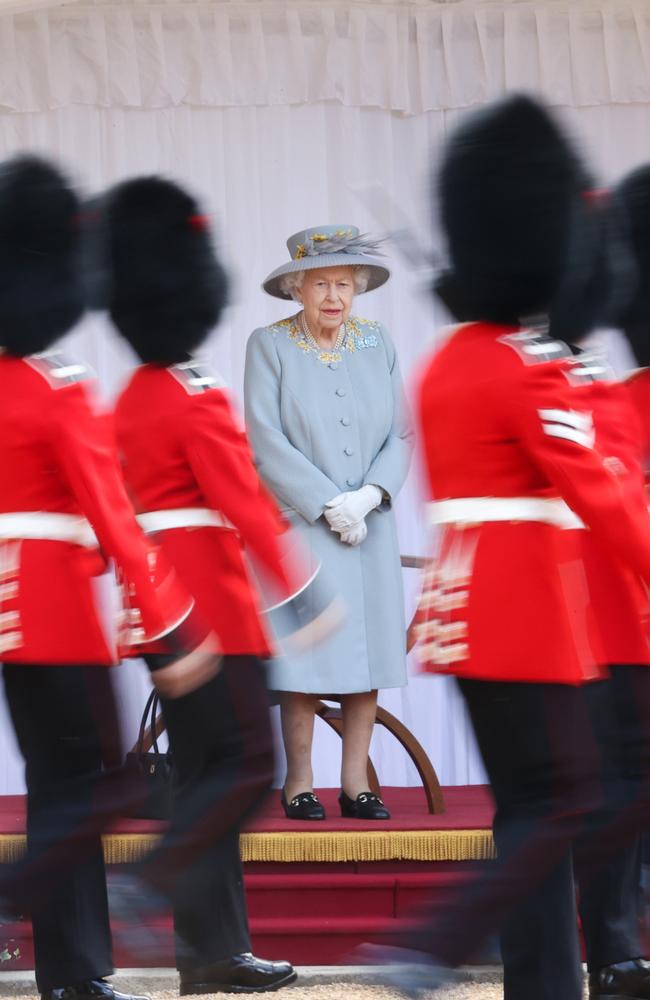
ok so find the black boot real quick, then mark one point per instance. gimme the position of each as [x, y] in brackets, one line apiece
[623, 981]
[240, 974]
[90, 989]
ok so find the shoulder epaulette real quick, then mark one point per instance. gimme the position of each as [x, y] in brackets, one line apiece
[196, 377]
[589, 366]
[58, 370]
[535, 348]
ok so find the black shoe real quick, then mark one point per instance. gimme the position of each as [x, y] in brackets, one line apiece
[239, 974]
[90, 989]
[623, 981]
[367, 805]
[306, 805]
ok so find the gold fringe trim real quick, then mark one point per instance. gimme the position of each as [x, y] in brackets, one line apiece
[367, 845]
[12, 847]
[390, 845]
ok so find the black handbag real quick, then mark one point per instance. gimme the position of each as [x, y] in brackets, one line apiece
[152, 769]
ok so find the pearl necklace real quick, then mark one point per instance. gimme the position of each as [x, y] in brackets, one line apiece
[311, 340]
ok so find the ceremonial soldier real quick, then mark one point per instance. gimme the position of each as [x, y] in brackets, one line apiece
[607, 859]
[189, 469]
[510, 449]
[632, 197]
[630, 209]
[64, 514]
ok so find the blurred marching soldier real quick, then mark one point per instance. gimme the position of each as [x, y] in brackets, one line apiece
[607, 859]
[630, 208]
[633, 200]
[509, 443]
[189, 469]
[64, 513]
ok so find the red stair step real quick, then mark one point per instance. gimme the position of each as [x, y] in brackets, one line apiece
[315, 941]
[306, 917]
[298, 896]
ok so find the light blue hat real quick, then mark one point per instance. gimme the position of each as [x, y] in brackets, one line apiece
[329, 246]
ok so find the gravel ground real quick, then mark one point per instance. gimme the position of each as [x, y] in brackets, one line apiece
[332, 984]
[345, 991]
[352, 991]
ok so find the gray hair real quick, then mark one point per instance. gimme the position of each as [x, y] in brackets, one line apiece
[290, 283]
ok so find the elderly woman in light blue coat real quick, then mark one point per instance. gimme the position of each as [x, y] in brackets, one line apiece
[327, 421]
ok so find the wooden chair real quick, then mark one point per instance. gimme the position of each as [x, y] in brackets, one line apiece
[333, 717]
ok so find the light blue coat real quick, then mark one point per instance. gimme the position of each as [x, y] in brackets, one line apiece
[320, 424]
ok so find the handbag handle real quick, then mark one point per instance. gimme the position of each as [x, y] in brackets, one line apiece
[143, 721]
[149, 736]
[150, 709]
[155, 701]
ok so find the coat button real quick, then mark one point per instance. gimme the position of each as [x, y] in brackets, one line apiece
[348, 451]
[333, 365]
[345, 421]
[350, 482]
[340, 392]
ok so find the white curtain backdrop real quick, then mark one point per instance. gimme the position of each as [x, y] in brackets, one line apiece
[409, 57]
[276, 114]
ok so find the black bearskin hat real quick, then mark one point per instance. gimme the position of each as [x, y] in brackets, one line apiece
[597, 288]
[508, 185]
[633, 198]
[41, 288]
[164, 286]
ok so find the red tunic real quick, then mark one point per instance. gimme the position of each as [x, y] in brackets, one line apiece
[503, 415]
[618, 596]
[182, 448]
[638, 388]
[58, 459]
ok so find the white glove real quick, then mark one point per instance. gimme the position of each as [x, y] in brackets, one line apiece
[348, 509]
[354, 535]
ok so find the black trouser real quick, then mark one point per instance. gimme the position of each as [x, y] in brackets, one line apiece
[543, 764]
[607, 855]
[66, 726]
[222, 746]
[67, 729]
[609, 891]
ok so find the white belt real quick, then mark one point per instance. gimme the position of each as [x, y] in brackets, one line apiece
[477, 510]
[182, 517]
[48, 526]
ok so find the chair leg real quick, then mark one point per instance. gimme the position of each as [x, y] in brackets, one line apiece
[417, 753]
[404, 736]
[415, 750]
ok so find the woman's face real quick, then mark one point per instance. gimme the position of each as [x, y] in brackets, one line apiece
[326, 295]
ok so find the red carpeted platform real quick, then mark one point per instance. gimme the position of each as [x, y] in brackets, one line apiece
[466, 807]
[315, 890]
